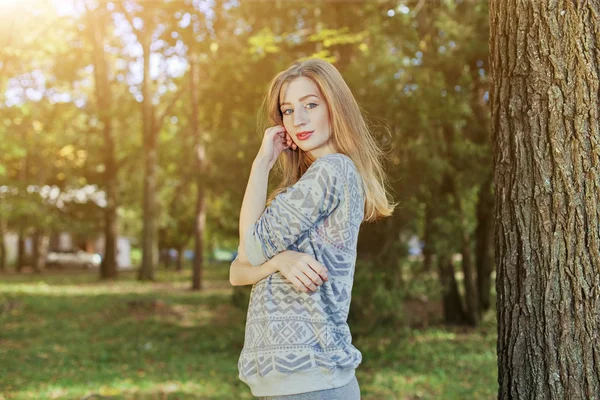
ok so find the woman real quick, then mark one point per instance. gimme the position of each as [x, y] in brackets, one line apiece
[299, 252]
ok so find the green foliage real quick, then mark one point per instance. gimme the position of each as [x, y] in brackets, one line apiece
[374, 303]
[263, 43]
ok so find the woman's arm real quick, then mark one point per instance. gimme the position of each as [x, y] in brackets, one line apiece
[295, 211]
[302, 270]
[275, 140]
[242, 273]
[254, 201]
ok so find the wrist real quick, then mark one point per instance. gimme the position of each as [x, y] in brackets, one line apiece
[272, 266]
[261, 162]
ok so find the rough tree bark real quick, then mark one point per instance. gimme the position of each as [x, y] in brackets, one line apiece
[546, 142]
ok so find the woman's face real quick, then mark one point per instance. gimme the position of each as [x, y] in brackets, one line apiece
[306, 116]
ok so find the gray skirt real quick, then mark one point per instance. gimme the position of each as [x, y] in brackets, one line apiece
[350, 391]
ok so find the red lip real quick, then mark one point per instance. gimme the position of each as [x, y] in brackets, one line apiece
[304, 135]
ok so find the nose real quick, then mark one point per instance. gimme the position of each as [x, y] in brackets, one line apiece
[300, 117]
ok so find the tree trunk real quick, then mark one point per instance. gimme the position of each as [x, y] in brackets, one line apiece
[38, 260]
[454, 311]
[162, 256]
[199, 235]
[108, 268]
[21, 257]
[35, 250]
[450, 186]
[22, 228]
[2, 244]
[472, 301]
[471, 297]
[163, 248]
[169, 260]
[200, 179]
[484, 254]
[453, 308]
[428, 249]
[546, 138]
[148, 267]
[179, 260]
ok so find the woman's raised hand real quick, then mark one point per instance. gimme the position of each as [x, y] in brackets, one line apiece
[301, 269]
[275, 140]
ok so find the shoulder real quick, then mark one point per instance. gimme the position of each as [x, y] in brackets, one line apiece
[340, 168]
[341, 165]
[337, 162]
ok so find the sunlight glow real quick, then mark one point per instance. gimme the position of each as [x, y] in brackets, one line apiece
[12, 3]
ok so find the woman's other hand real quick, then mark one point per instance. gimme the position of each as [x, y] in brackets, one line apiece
[275, 140]
[301, 269]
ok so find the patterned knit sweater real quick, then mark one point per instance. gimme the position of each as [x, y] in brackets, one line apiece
[297, 342]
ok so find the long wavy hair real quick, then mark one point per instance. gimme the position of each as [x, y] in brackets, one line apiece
[349, 134]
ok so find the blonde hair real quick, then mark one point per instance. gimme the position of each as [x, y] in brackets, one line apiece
[349, 134]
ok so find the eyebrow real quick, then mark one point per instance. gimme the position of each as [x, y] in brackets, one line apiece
[300, 99]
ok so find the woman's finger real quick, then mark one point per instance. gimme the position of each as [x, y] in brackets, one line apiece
[319, 269]
[298, 284]
[313, 276]
[291, 142]
[306, 281]
[275, 130]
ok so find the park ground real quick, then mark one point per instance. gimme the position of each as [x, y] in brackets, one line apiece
[66, 335]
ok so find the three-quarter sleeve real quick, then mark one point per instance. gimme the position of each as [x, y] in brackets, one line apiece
[294, 211]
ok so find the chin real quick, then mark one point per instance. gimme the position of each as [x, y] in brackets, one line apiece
[311, 146]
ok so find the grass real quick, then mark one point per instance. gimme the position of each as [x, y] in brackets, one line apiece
[65, 335]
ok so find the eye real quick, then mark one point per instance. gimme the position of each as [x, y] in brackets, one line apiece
[285, 112]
